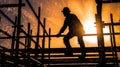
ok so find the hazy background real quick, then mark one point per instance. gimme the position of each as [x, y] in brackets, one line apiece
[51, 10]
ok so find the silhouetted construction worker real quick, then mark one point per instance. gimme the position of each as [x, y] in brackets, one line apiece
[75, 29]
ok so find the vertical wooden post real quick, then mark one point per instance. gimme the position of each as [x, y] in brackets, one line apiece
[43, 41]
[0, 17]
[114, 41]
[100, 32]
[26, 40]
[18, 31]
[111, 40]
[38, 33]
[19, 24]
[28, 44]
[49, 46]
[13, 37]
[29, 37]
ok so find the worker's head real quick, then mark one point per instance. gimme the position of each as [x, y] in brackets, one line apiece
[66, 11]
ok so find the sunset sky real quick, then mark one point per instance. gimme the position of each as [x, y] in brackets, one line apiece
[51, 10]
[85, 11]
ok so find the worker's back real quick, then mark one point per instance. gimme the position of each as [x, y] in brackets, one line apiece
[74, 24]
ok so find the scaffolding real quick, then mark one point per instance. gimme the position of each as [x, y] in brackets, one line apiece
[51, 57]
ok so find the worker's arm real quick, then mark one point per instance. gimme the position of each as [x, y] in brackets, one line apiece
[62, 29]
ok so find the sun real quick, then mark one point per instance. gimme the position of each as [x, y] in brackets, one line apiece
[90, 28]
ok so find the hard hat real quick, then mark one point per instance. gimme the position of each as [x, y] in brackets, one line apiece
[66, 9]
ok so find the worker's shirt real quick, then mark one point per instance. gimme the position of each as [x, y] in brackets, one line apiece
[74, 25]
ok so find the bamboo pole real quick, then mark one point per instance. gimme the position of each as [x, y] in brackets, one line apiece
[38, 33]
[13, 37]
[18, 31]
[114, 42]
[100, 32]
[49, 38]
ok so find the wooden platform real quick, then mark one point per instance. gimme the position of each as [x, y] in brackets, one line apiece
[55, 57]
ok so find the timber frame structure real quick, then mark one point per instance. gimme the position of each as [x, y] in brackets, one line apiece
[51, 57]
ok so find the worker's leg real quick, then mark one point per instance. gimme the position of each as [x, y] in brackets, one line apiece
[67, 43]
[66, 40]
[82, 45]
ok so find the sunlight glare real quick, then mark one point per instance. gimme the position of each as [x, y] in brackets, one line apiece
[90, 28]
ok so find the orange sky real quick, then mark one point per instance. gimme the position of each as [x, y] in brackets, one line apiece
[55, 19]
[85, 11]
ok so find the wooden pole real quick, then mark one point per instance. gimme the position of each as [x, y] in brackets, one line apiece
[10, 5]
[43, 41]
[49, 46]
[38, 33]
[18, 31]
[13, 37]
[100, 32]
[114, 42]
[28, 44]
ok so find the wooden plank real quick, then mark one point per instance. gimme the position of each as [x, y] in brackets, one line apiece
[87, 55]
[116, 24]
[117, 33]
[87, 60]
[62, 50]
[80, 65]
[10, 5]
[110, 1]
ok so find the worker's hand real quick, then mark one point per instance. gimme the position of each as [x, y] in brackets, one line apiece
[58, 35]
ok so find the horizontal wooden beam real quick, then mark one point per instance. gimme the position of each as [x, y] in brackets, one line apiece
[59, 36]
[77, 60]
[62, 50]
[111, 24]
[9, 5]
[79, 65]
[110, 1]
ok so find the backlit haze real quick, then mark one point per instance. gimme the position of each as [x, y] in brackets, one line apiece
[55, 19]
[51, 10]
[85, 11]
